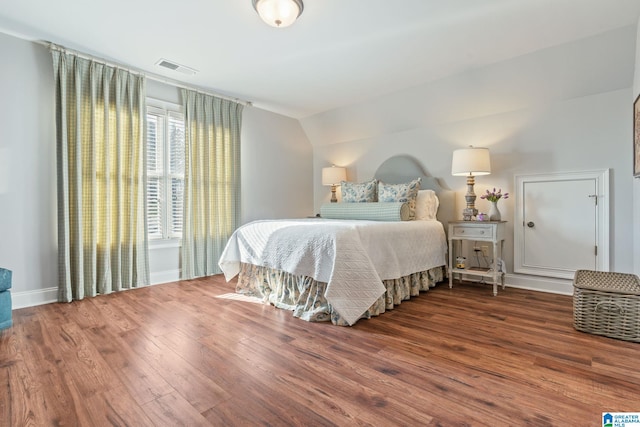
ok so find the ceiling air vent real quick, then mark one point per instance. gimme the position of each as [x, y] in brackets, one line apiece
[175, 67]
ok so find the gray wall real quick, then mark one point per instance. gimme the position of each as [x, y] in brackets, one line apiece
[560, 109]
[636, 182]
[27, 168]
[276, 160]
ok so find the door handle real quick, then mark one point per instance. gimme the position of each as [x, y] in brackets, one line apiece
[530, 224]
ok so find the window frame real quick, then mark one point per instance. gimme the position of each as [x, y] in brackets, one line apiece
[165, 110]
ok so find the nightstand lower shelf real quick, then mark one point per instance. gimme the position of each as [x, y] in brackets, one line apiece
[471, 272]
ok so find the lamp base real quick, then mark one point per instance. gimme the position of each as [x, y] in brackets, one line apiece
[334, 199]
[469, 213]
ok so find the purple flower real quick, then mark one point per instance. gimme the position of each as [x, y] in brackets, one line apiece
[495, 195]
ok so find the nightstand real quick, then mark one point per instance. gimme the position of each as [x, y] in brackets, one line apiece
[482, 231]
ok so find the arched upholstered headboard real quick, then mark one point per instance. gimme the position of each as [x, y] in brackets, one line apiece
[404, 168]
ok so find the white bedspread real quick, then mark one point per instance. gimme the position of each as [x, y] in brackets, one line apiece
[352, 257]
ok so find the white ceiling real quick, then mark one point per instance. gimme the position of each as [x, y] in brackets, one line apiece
[338, 53]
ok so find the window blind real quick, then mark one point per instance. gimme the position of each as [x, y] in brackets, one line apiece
[165, 173]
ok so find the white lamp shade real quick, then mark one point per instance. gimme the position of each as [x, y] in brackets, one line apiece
[471, 161]
[278, 13]
[333, 175]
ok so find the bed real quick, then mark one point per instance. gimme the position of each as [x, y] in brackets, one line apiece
[343, 270]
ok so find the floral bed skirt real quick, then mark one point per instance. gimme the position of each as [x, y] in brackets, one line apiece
[305, 296]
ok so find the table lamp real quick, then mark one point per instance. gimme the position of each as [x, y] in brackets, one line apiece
[470, 162]
[333, 176]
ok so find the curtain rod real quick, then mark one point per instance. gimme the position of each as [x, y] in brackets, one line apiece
[150, 76]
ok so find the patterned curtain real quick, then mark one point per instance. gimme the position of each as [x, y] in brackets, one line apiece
[211, 181]
[102, 236]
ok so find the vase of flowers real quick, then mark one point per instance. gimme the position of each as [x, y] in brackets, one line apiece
[493, 197]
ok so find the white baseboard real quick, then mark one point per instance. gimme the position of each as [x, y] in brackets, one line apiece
[532, 283]
[542, 284]
[166, 276]
[33, 298]
[48, 295]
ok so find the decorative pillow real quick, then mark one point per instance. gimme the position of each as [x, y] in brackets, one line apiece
[366, 211]
[359, 193]
[427, 204]
[407, 192]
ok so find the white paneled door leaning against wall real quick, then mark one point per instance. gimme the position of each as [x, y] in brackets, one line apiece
[562, 223]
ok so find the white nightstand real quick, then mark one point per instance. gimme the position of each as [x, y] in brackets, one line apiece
[481, 231]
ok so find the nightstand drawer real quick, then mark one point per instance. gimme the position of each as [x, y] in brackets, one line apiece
[472, 231]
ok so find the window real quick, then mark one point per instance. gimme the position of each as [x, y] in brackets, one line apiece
[165, 172]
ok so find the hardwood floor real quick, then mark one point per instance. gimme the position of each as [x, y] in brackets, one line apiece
[194, 353]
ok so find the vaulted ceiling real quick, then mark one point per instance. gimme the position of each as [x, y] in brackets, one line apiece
[338, 52]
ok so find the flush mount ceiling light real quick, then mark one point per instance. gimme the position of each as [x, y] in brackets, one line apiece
[278, 13]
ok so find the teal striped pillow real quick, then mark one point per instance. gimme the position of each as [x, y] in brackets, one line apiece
[367, 211]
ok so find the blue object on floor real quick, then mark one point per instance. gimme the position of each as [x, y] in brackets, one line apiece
[5, 299]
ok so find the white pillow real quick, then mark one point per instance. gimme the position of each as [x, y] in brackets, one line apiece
[427, 204]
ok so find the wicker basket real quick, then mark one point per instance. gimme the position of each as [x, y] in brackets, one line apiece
[607, 304]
